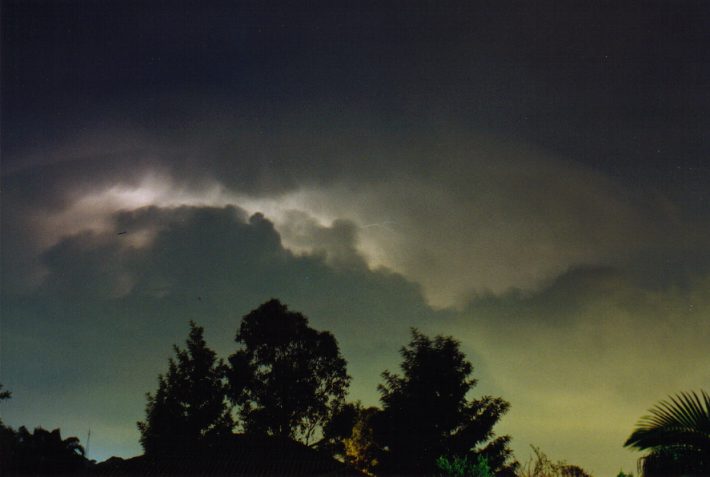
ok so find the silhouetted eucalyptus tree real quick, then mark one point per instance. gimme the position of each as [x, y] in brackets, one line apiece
[677, 436]
[189, 410]
[426, 413]
[288, 379]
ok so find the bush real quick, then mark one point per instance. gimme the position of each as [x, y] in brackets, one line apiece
[463, 467]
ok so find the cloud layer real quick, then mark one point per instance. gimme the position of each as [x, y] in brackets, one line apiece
[459, 214]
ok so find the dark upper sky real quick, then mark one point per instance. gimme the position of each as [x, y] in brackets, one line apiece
[622, 88]
[531, 177]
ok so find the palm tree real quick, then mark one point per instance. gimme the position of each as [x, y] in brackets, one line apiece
[677, 435]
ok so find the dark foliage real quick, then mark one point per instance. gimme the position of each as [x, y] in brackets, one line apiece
[189, 410]
[4, 394]
[573, 471]
[235, 455]
[288, 379]
[338, 429]
[674, 460]
[361, 450]
[677, 436]
[40, 452]
[463, 467]
[426, 413]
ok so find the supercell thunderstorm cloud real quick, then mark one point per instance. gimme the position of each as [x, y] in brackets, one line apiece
[531, 180]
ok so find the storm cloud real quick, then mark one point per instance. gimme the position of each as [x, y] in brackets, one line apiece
[458, 213]
[529, 179]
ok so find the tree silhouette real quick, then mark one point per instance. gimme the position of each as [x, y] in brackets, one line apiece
[189, 410]
[288, 379]
[677, 436]
[426, 413]
[40, 452]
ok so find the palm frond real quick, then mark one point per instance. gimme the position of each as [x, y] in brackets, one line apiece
[681, 420]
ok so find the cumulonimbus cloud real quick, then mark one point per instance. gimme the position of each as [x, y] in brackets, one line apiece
[459, 214]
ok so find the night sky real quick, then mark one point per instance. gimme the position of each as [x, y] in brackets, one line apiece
[529, 177]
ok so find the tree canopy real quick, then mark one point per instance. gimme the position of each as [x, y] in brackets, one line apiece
[288, 379]
[426, 413]
[189, 408]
